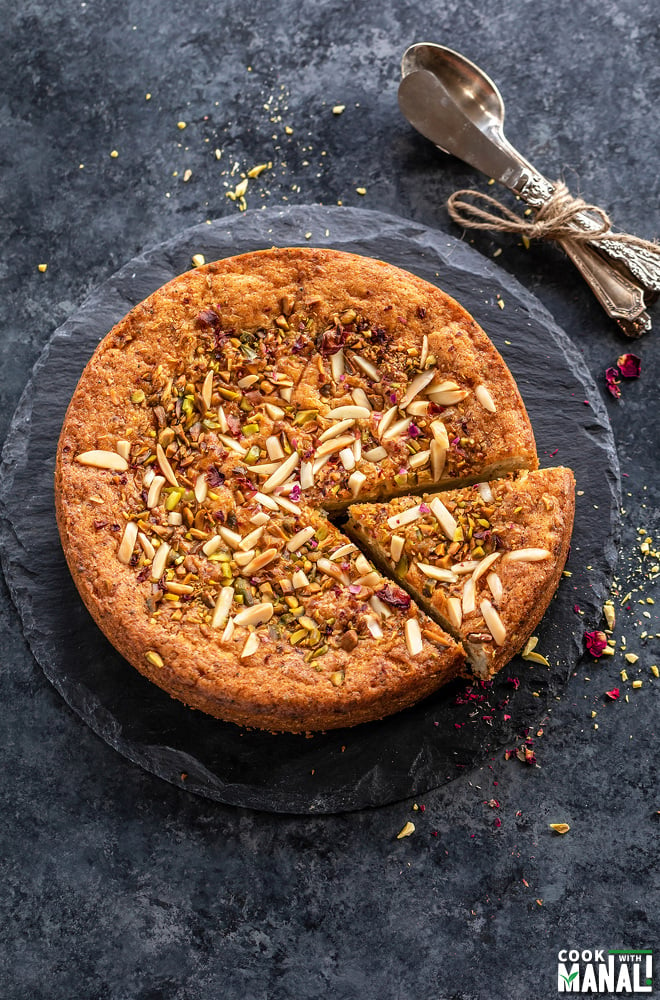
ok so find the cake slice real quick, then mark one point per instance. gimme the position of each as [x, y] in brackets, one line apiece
[484, 561]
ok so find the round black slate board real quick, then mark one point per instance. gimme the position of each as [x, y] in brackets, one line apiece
[373, 764]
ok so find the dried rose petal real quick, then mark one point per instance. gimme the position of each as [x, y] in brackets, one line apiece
[596, 642]
[214, 476]
[629, 365]
[394, 596]
[614, 694]
[612, 379]
[526, 755]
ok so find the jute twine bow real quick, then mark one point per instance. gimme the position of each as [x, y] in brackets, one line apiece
[554, 220]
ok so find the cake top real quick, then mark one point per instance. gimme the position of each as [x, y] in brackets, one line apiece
[223, 416]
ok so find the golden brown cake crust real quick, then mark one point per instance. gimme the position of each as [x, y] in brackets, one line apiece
[269, 323]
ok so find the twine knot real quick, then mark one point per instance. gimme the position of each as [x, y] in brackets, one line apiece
[556, 219]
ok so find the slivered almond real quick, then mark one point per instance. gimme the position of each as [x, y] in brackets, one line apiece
[348, 412]
[251, 539]
[485, 492]
[300, 538]
[274, 447]
[397, 428]
[124, 449]
[493, 621]
[331, 569]
[232, 538]
[466, 566]
[213, 544]
[264, 468]
[447, 385]
[374, 627]
[251, 645]
[362, 564]
[265, 501]
[174, 587]
[153, 496]
[469, 597]
[286, 393]
[372, 579]
[260, 561]
[366, 367]
[159, 561]
[287, 504]
[261, 517]
[274, 412]
[397, 544]
[232, 445]
[282, 474]
[247, 381]
[228, 633]
[484, 565]
[299, 580]
[438, 458]
[127, 543]
[454, 612]
[306, 475]
[343, 550]
[347, 458]
[207, 389]
[222, 607]
[448, 397]
[318, 464]
[175, 518]
[333, 445]
[146, 545]
[386, 420]
[444, 517]
[418, 460]
[243, 558]
[337, 364]
[360, 398]
[148, 477]
[357, 449]
[418, 408]
[439, 432]
[437, 573]
[418, 383]
[375, 455]
[165, 466]
[495, 585]
[424, 352]
[407, 516]
[256, 614]
[201, 488]
[485, 398]
[413, 635]
[356, 481]
[100, 459]
[222, 420]
[380, 608]
[527, 555]
[336, 429]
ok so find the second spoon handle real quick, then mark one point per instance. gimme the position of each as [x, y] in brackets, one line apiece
[641, 265]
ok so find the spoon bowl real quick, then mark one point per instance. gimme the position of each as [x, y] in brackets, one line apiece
[466, 84]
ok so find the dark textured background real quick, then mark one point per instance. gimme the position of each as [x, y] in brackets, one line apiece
[116, 885]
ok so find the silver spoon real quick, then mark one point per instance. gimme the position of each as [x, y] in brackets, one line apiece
[458, 107]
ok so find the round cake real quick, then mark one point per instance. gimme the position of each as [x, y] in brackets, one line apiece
[215, 440]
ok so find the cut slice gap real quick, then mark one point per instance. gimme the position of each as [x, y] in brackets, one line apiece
[531, 514]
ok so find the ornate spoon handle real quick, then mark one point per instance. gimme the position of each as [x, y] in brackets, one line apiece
[642, 265]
